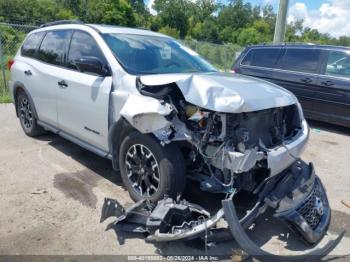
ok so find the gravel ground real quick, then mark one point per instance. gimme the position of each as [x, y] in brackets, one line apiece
[52, 192]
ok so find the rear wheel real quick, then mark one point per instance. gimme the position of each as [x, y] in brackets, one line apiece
[26, 116]
[149, 170]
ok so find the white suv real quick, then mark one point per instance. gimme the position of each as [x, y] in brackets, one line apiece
[159, 111]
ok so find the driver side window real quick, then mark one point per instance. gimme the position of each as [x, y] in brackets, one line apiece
[83, 45]
[338, 64]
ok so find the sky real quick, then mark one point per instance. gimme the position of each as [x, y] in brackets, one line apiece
[327, 16]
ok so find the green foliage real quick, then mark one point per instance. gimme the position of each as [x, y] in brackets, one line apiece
[32, 11]
[258, 33]
[221, 56]
[11, 39]
[4, 94]
[174, 14]
[115, 12]
[5, 97]
[235, 22]
[170, 31]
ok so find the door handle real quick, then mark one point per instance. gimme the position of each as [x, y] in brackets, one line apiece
[62, 84]
[28, 73]
[327, 83]
[306, 80]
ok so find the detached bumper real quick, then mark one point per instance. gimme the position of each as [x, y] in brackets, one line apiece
[312, 217]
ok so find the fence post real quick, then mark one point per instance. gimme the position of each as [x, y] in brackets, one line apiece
[2, 64]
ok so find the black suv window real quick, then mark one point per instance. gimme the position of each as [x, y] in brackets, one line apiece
[53, 47]
[83, 45]
[31, 44]
[338, 64]
[300, 60]
[262, 57]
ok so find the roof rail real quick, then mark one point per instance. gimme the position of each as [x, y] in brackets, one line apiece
[288, 43]
[297, 43]
[62, 22]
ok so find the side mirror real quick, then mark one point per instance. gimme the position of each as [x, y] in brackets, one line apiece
[91, 64]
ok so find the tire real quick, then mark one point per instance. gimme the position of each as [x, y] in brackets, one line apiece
[27, 117]
[170, 169]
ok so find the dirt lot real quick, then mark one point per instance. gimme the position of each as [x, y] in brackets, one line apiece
[52, 191]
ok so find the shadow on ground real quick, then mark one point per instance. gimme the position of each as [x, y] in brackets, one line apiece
[265, 228]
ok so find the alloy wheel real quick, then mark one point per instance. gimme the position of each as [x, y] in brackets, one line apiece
[142, 170]
[26, 114]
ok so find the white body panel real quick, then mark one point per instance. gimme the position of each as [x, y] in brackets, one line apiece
[82, 107]
[41, 84]
[223, 92]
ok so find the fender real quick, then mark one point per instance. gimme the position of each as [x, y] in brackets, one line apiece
[146, 114]
[17, 86]
[117, 131]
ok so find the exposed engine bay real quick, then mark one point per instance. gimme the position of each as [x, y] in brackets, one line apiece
[256, 151]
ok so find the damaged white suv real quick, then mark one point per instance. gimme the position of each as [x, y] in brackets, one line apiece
[159, 111]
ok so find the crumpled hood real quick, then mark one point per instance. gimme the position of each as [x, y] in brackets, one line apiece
[224, 92]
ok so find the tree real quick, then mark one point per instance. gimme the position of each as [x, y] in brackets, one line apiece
[235, 15]
[174, 13]
[170, 31]
[33, 12]
[114, 12]
[258, 33]
[141, 13]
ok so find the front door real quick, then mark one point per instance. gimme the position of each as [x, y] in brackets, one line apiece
[334, 88]
[83, 98]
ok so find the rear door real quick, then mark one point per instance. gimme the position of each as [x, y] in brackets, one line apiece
[49, 65]
[259, 62]
[334, 88]
[27, 71]
[297, 70]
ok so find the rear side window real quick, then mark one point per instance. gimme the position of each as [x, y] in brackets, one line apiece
[31, 44]
[262, 57]
[54, 46]
[83, 45]
[338, 64]
[300, 60]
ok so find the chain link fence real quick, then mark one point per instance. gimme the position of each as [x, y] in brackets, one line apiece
[12, 36]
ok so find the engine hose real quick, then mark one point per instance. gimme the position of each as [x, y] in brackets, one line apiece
[254, 250]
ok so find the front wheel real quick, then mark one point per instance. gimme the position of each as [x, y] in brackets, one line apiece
[149, 170]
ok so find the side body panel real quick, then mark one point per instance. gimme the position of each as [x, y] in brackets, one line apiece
[41, 83]
[83, 107]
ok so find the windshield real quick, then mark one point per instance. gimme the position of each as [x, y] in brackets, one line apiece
[141, 54]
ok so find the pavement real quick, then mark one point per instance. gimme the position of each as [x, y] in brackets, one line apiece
[52, 191]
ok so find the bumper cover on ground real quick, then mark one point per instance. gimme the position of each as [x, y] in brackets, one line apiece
[297, 195]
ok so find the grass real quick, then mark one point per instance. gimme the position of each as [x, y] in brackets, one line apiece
[4, 93]
[5, 97]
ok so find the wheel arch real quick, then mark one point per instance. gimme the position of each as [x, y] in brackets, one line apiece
[117, 131]
[19, 87]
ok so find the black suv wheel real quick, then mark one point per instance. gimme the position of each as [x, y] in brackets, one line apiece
[149, 170]
[26, 116]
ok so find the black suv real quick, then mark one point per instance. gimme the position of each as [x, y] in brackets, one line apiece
[318, 75]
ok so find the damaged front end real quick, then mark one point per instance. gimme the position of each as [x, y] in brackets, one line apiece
[296, 195]
[231, 144]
